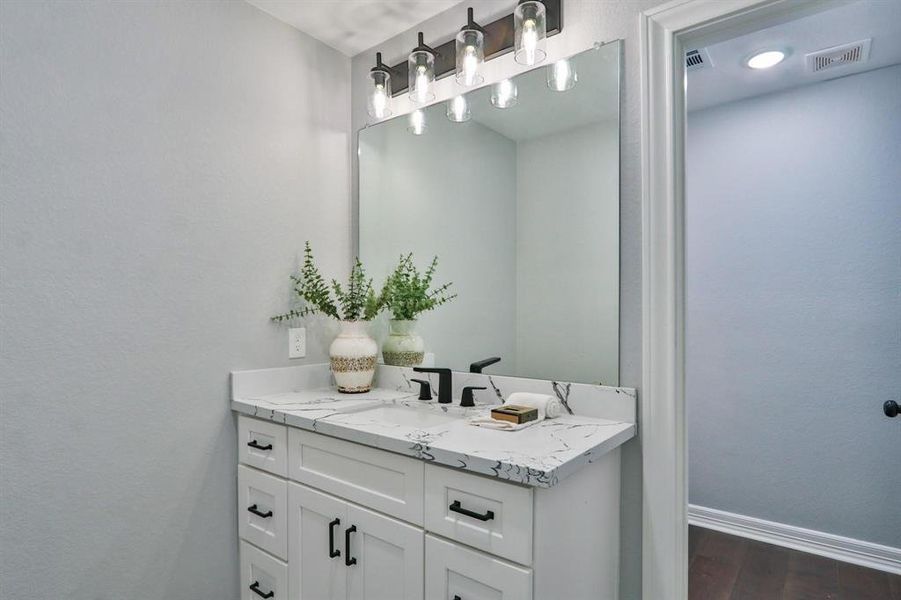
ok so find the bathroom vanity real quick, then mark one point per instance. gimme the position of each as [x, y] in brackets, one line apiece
[382, 495]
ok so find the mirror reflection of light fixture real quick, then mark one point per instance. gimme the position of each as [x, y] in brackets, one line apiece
[470, 46]
[378, 104]
[561, 76]
[504, 94]
[421, 72]
[530, 32]
[458, 110]
[765, 59]
[417, 122]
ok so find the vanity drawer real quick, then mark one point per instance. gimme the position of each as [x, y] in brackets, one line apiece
[452, 571]
[263, 444]
[262, 510]
[384, 481]
[484, 513]
[262, 574]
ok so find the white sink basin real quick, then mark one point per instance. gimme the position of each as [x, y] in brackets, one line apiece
[407, 417]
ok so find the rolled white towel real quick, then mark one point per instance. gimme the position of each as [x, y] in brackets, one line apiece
[548, 406]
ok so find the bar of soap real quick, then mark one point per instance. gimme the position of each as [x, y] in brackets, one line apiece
[514, 413]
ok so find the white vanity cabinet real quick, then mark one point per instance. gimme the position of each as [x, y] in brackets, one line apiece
[353, 522]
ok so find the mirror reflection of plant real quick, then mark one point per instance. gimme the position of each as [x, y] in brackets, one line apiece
[357, 302]
[406, 292]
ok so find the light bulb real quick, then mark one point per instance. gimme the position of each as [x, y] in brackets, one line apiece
[417, 122]
[422, 85]
[529, 40]
[470, 65]
[765, 60]
[379, 102]
[504, 94]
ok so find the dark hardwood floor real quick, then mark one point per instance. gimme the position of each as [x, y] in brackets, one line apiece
[725, 567]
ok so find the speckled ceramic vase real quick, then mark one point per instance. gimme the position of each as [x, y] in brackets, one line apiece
[404, 347]
[353, 355]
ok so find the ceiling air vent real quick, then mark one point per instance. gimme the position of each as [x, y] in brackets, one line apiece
[839, 56]
[697, 59]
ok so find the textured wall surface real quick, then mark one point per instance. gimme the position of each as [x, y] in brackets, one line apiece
[793, 311]
[162, 164]
[586, 22]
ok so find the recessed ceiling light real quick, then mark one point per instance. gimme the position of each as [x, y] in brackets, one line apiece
[765, 59]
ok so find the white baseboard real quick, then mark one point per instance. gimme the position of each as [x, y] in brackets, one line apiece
[858, 552]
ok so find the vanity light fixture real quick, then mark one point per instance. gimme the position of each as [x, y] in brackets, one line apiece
[417, 122]
[458, 110]
[765, 59]
[530, 27]
[421, 72]
[561, 76]
[524, 30]
[378, 104]
[504, 94]
[470, 52]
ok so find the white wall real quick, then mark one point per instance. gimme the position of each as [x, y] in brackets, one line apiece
[162, 165]
[585, 22]
[566, 226]
[419, 200]
[793, 314]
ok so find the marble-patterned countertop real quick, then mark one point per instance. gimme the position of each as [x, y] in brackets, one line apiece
[540, 455]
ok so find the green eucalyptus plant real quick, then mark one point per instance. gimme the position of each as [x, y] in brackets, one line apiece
[356, 302]
[406, 292]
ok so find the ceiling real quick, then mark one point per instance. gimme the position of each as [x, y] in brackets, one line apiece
[352, 26]
[730, 80]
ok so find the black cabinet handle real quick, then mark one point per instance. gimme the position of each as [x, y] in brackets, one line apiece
[348, 559]
[457, 597]
[256, 444]
[255, 588]
[891, 408]
[332, 553]
[455, 507]
[253, 508]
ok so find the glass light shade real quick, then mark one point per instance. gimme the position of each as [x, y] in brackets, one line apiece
[421, 68]
[504, 94]
[417, 122]
[530, 33]
[380, 95]
[458, 109]
[561, 76]
[470, 56]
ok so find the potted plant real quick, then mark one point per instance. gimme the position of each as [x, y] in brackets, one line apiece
[353, 353]
[406, 294]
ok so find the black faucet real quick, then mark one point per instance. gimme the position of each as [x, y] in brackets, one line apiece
[445, 383]
[478, 365]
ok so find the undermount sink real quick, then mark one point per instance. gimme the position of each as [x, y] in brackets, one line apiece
[407, 417]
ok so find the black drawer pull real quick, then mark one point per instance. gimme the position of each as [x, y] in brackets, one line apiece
[455, 507]
[332, 553]
[255, 588]
[457, 597]
[348, 559]
[253, 508]
[256, 444]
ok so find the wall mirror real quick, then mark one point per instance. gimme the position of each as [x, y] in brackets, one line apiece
[520, 202]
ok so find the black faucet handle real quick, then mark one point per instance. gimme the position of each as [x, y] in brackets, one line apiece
[478, 365]
[425, 389]
[445, 381]
[467, 399]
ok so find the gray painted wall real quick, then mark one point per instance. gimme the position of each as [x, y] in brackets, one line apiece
[793, 313]
[587, 21]
[162, 164]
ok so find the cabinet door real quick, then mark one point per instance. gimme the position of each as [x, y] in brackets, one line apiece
[455, 571]
[316, 524]
[389, 558]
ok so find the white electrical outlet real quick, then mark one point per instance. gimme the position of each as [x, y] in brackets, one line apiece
[297, 342]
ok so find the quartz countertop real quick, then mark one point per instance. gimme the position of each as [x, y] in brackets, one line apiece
[540, 455]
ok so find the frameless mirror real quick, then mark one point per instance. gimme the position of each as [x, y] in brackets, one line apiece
[520, 202]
